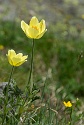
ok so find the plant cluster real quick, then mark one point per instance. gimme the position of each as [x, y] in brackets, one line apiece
[18, 107]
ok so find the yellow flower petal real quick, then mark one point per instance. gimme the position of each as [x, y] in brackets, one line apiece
[24, 58]
[11, 53]
[34, 21]
[16, 60]
[40, 35]
[24, 26]
[65, 103]
[10, 61]
[69, 104]
[33, 33]
[20, 63]
[19, 55]
[42, 26]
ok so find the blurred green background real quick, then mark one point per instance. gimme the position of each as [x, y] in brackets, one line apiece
[58, 54]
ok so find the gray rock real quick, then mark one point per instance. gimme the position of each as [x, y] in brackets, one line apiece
[2, 85]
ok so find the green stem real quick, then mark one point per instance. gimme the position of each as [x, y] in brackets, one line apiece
[11, 75]
[31, 68]
[9, 82]
[71, 117]
[6, 103]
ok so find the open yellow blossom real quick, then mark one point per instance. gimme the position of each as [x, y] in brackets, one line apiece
[67, 104]
[16, 59]
[35, 29]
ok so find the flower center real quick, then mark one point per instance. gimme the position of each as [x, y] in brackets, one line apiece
[35, 27]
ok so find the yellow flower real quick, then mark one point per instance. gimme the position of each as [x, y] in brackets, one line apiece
[35, 29]
[67, 104]
[1, 47]
[16, 59]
